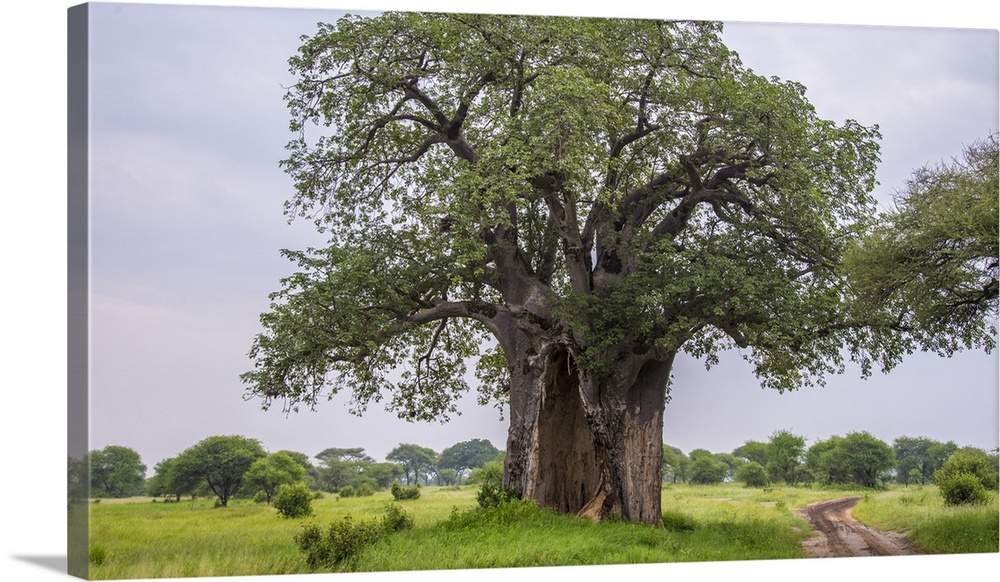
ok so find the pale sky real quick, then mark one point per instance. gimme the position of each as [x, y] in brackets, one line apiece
[188, 125]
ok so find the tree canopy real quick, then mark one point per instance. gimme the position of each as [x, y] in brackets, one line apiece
[930, 266]
[414, 460]
[584, 197]
[220, 462]
[616, 170]
[467, 455]
[116, 471]
[267, 474]
[857, 457]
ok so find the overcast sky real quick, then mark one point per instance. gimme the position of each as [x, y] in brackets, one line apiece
[188, 124]
[188, 127]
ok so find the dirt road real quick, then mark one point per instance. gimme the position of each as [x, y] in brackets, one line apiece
[837, 534]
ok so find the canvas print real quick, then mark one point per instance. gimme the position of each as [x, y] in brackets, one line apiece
[397, 291]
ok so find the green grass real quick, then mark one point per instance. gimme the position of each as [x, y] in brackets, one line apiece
[932, 526]
[140, 539]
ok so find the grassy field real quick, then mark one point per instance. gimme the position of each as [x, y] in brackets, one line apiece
[136, 538]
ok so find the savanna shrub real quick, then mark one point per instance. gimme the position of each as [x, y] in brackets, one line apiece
[966, 477]
[396, 519]
[293, 500]
[404, 492]
[494, 495]
[977, 464]
[347, 538]
[962, 489]
[341, 541]
[752, 474]
[365, 490]
[347, 491]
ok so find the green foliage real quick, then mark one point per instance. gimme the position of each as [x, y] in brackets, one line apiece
[626, 183]
[467, 455]
[752, 474]
[706, 468]
[930, 268]
[753, 451]
[344, 540]
[491, 472]
[676, 465]
[269, 473]
[413, 459]
[342, 467]
[918, 457]
[116, 471]
[967, 476]
[960, 488]
[784, 456]
[447, 476]
[218, 461]
[395, 519]
[404, 492]
[492, 492]
[341, 541]
[347, 491]
[294, 500]
[857, 458]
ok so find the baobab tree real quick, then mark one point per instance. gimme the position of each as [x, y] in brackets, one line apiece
[569, 203]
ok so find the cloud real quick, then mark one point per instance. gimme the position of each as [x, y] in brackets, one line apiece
[930, 91]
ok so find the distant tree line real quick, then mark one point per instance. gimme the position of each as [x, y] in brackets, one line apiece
[857, 458]
[235, 466]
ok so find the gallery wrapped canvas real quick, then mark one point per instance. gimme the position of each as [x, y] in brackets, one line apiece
[447, 290]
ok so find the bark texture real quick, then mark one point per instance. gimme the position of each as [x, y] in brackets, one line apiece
[597, 455]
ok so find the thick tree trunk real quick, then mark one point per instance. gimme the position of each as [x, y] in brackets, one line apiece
[595, 457]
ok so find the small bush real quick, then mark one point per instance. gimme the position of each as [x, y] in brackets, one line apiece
[347, 491]
[396, 519]
[752, 474]
[364, 490]
[402, 493]
[494, 495]
[260, 497]
[293, 500]
[962, 489]
[966, 477]
[345, 539]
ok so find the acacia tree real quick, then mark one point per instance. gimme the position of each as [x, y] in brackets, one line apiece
[414, 459]
[220, 462]
[586, 197]
[931, 267]
[268, 473]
